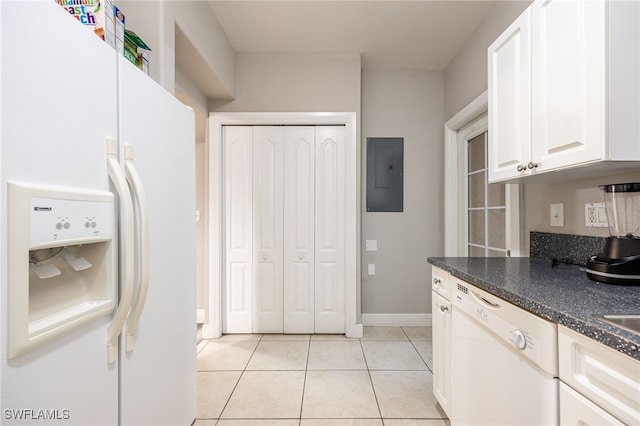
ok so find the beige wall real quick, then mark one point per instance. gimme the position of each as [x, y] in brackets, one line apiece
[406, 104]
[295, 82]
[190, 95]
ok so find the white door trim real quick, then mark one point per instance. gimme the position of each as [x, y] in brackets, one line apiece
[452, 185]
[212, 328]
[476, 108]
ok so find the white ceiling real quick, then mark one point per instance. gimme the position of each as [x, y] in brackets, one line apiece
[392, 34]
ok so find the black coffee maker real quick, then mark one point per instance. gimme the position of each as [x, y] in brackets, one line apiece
[619, 263]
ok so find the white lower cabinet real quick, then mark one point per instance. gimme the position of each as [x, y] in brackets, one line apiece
[576, 410]
[597, 384]
[441, 328]
[601, 385]
[284, 216]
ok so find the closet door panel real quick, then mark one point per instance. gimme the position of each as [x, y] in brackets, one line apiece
[238, 174]
[268, 229]
[299, 229]
[330, 230]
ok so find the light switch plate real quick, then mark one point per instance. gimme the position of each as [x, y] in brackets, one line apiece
[371, 245]
[557, 214]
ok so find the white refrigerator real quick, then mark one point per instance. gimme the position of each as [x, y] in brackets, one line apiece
[65, 96]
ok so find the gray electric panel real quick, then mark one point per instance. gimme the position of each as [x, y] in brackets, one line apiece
[385, 168]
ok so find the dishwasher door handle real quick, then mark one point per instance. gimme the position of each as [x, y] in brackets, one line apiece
[493, 305]
[484, 300]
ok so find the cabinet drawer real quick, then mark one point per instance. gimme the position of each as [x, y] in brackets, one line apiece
[440, 282]
[606, 377]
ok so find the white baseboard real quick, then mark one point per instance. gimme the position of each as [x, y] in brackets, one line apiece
[407, 320]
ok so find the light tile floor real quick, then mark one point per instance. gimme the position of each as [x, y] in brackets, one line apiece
[383, 379]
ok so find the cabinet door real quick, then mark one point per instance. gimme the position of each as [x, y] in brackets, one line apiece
[299, 238]
[568, 82]
[238, 211]
[330, 230]
[441, 314]
[576, 410]
[268, 159]
[509, 101]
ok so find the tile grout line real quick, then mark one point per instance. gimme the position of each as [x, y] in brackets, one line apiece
[373, 388]
[416, 349]
[239, 377]
[304, 383]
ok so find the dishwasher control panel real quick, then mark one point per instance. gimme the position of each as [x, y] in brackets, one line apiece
[533, 337]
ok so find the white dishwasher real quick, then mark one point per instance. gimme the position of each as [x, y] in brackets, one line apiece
[503, 362]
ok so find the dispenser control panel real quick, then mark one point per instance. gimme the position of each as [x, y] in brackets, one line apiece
[55, 219]
[62, 262]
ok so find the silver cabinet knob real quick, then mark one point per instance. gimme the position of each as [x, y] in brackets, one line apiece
[265, 256]
[437, 281]
[300, 256]
[444, 308]
[521, 168]
[532, 165]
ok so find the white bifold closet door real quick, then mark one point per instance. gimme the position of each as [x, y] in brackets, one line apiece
[330, 230]
[238, 216]
[284, 229]
[267, 229]
[299, 229]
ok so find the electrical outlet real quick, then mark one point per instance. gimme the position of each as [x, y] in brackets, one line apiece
[595, 215]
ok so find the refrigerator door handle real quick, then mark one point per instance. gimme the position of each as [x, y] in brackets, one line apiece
[126, 259]
[143, 263]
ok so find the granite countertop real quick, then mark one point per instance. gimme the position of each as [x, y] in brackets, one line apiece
[562, 294]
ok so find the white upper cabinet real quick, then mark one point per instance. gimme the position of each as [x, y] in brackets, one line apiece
[564, 91]
[509, 92]
[568, 82]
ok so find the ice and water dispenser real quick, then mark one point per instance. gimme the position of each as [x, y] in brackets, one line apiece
[61, 254]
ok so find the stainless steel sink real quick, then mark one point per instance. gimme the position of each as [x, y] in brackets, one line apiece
[630, 322]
